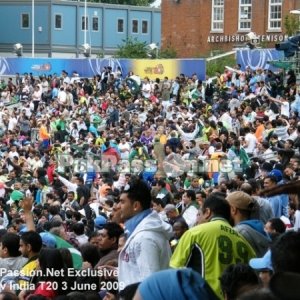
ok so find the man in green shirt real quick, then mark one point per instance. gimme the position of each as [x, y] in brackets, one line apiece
[211, 247]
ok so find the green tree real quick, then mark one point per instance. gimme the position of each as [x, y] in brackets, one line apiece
[291, 24]
[132, 48]
[167, 53]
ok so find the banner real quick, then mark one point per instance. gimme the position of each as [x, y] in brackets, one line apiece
[258, 58]
[152, 68]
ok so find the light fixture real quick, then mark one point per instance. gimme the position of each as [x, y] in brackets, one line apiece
[86, 50]
[152, 46]
[18, 49]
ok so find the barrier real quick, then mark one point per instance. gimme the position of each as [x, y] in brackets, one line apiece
[153, 68]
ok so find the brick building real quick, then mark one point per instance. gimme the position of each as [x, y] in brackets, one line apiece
[197, 27]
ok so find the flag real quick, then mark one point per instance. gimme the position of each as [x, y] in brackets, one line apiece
[76, 255]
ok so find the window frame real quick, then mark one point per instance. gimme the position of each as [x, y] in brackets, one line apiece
[270, 20]
[95, 17]
[61, 22]
[213, 21]
[137, 26]
[120, 19]
[246, 20]
[86, 24]
[147, 22]
[23, 14]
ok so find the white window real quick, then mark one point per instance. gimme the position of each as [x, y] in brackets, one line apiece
[25, 21]
[245, 14]
[217, 15]
[85, 23]
[275, 14]
[58, 22]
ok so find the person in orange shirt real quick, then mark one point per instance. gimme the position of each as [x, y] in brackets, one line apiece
[260, 128]
[44, 135]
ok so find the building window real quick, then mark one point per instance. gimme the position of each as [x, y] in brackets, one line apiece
[95, 24]
[217, 15]
[85, 23]
[58, 22]
[135, 26]
[120, 25]
[275, 14]
[25, 21]
[245, 14]
[145, 27]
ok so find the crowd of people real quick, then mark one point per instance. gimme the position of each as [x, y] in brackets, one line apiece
[120, 188]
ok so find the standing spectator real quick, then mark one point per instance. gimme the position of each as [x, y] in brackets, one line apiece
[147, 247]
[213, 246]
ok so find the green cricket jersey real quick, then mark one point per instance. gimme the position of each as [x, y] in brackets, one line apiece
[209, 248]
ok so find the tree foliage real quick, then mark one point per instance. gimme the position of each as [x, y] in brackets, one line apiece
[219, 64]
[132, 48]
[168, 53]
[291, 24]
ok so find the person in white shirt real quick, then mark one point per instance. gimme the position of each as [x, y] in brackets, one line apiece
[124, 148]
[146, 88]
[284, 105]
[13, 121]
[62, 96]
[250, 141]
[189, 211]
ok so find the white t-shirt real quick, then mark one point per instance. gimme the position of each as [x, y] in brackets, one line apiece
[285, 108]
[251, 140]
[146, 88]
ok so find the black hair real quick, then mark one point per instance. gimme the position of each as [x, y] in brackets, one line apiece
[11, 241]
[191, 194]
[159, 201]
[114, 230]
[258, 294]
[78, 228]
[33, 239]
[182, 223]
[285, 253]
[235, 277]
[278, 225]
[129, 291]
[218, 205]
[90, 254]
[139, 191]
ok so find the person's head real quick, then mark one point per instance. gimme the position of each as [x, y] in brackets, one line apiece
[109, 236]
[237, 279]
[200, 197]
[171, 211]
[241, 206]
[94, 238]
[90, 254]
[270, 182]
[285, 253]
[275, 226]
[30, 244]
[78, 228]
[50, 258]
[71, 196]
[215, 205]
[10, 245]
[179, 228]
[188, 197]
[158, 205]
[135, 199]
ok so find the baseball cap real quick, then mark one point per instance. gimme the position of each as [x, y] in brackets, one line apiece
[99, 222]
[241, 200]
[277, 174]
[48, 240]
[262, 263]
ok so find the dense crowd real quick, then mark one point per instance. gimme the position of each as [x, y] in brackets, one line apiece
[118, 187]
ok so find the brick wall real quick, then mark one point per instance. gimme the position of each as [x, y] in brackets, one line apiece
[186, 25]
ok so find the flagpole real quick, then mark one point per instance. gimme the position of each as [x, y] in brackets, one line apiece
[32, 30]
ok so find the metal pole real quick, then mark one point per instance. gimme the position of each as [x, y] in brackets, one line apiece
[85, 22]
[32, 12]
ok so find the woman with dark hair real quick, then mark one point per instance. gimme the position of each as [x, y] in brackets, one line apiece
[53, 274]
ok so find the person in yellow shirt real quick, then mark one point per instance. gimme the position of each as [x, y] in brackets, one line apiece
[30, 246]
